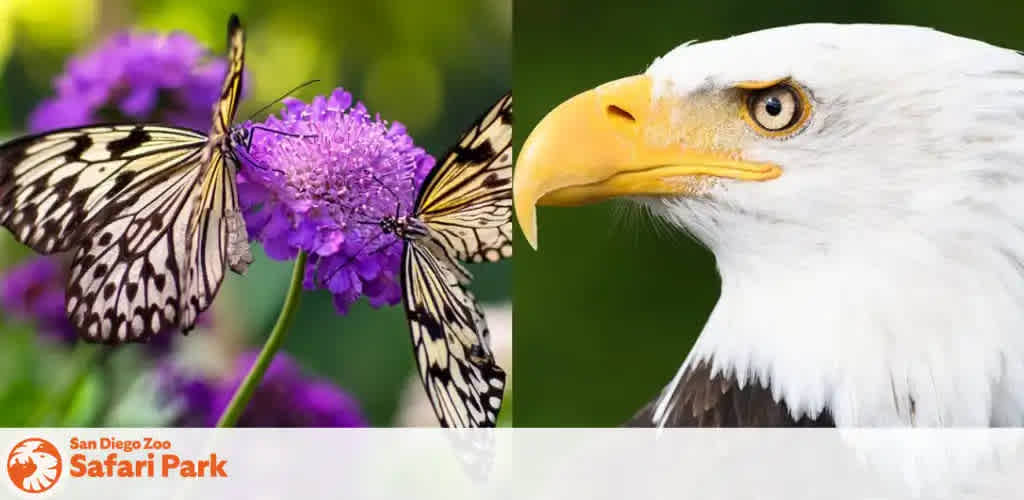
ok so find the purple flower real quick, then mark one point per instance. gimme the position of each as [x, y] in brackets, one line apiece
[194, 396]
[34, 291]
[284, 398]
[324, 187]
[135, 76]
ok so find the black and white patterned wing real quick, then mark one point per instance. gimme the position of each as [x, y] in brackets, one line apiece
[231, 90]
[467, 200]
[131, 279]
[455, 362]
[57, 187]
[225, 165]
[218, 238]
[115, 195]
[151, 212]
[127, 277]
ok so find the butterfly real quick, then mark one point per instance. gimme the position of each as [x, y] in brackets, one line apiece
[463, 213]
[150, 211]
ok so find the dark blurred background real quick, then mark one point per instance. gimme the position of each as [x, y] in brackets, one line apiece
[434, 66]
[607, 310]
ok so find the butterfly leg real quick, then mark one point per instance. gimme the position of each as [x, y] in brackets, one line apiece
[243, 152]
[358, 253]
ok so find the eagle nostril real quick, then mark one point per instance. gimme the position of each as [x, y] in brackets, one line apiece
[617, 113]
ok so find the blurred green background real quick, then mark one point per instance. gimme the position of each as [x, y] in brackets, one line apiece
[434, 66]
[607, 310]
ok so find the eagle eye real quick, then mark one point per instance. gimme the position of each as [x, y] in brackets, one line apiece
[776, 111]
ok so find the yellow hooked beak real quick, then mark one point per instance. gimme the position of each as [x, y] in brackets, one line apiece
[595, 146]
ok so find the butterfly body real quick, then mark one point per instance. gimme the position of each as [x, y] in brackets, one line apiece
[150, 212]
[240, 137]
[404, 227]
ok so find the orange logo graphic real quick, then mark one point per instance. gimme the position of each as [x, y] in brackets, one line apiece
[34, 465]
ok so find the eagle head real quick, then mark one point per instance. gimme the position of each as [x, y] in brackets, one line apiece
[862, 190]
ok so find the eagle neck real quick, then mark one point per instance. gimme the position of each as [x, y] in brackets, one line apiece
[881, 331]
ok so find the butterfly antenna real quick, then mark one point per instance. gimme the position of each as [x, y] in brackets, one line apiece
[278, 132]
[255, 163]
[286, 94]
[369, 219]
[398, 201]
[385, 186]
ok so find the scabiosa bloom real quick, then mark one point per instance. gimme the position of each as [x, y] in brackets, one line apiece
[284, 398]
[33, 291]
[135, 76]
[323, 188]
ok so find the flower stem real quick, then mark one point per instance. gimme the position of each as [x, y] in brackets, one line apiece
[252, 380]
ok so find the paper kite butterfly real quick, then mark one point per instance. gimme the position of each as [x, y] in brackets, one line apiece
[150, 212]
[463, 214]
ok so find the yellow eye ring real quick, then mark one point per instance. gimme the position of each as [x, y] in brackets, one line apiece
[775, 109]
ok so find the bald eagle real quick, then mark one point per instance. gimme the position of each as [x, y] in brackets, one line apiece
[862, 190]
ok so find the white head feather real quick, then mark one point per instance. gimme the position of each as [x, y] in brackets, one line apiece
[882, 275]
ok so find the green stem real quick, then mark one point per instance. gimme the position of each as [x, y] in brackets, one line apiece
[245, 391]
[107, 403]
[83, 358]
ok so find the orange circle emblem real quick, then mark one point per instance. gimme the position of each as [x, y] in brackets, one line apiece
[34, 465]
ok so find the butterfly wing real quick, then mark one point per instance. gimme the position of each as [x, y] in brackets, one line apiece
[127, 279]
[467, 200]
[114, 193]
[59, 186]
[466, 206]
[225, 165]
[218, 178]
[131, 198]
[457, 368]
[231, 90]
[213, 245]
[217, 236]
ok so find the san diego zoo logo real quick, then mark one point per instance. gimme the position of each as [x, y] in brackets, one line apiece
[34, 465]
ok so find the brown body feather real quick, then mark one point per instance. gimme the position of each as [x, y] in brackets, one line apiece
[703, 400]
